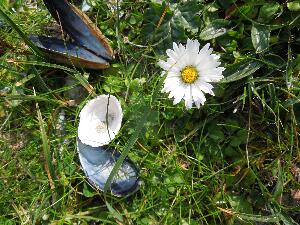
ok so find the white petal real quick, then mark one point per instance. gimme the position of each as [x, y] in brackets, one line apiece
[206, 63]
[211, 75]
[192, 46]
[216, 57]
[178, 97]
[176, 68]
[164, 65]
[198, 96]
[192, 49]
[205, 49]
[173, 55]
[176, 54]
[171, 63]
[205, 87]
[182, 52]
[176, 48]
[177, 93]
[188, 97]
[171, 82]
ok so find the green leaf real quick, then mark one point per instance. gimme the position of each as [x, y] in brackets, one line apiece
[240, 204]
[228, 43]
[239, 138]
[268, 11]
[78, 76]
[173, 181]
[294, 6]
[291, 101]
[189, 11]
[286, 219]
[240, 70]
[260, 36]
[87, 192]
[216, 133]
[24, 98]
[250, 178]
[279, 185]
[132, 20]
[248, 10]
[214, 29]
[115, 213]
[274, 60]
[113, 84]
[178, 19]
[151, 19]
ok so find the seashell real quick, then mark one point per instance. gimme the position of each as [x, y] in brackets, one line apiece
[90, 48]
[100, 120]
[97, 164]
[80, 27]
[69, 53]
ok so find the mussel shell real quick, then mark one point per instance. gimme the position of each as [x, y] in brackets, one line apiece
[79, 27]
[98, 162]
[69, 53]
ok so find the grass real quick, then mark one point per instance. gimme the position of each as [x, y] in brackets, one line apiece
[233, 161]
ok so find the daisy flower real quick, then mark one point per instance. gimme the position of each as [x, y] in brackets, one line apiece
[100, 120]
[189, 73]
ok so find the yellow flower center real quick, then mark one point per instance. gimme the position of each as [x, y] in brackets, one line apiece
[189, 74]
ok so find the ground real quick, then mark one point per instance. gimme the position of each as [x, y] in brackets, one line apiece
[235, 160]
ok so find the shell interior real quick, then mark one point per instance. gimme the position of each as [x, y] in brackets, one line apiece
[98, 162]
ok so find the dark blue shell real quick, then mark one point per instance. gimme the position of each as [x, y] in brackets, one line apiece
[79, 27]
[66, 52]
[97, 163]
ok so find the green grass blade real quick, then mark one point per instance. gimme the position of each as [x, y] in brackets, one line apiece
[114, 212]
[258, 218]
[280, 182]
[134, 137]
[287, 220]
[22, 35]
[141, 122]
[46, 148]
[83, 81]
[46, 64]
[34, 98]
[127, 148]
